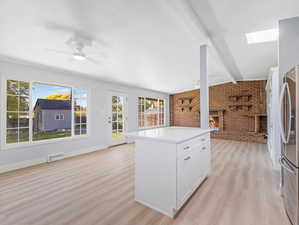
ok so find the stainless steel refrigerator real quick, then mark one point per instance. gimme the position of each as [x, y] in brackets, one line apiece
[289, 103]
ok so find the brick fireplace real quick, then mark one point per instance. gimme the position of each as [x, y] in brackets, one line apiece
[237, 110]
[216, 119]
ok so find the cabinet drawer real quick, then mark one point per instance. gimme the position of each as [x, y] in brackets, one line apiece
[186, 147]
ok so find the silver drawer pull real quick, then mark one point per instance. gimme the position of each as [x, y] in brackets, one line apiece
[203, 139]
[187, 147]
[204, 148]
[187, 158]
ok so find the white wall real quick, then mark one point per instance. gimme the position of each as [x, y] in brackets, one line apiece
[98, 113]
[288, 44]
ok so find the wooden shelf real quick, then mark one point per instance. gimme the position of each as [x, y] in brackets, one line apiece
[235, 98]
[254, 115]
[185, 108]
[240, 106]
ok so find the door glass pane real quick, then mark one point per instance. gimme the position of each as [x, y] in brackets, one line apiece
[117, 116]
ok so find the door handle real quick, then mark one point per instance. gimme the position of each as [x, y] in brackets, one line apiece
[187, 147]
[290, 113]
[281, 126]
[286, 166]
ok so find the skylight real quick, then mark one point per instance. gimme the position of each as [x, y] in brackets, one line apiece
[262, 36]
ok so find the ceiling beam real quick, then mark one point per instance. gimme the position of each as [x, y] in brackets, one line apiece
[199, 16]
[205, 16]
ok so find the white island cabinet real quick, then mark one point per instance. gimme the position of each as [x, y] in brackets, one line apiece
[170, 164]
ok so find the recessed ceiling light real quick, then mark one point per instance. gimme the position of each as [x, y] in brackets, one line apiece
[262, 36]
[79, 56]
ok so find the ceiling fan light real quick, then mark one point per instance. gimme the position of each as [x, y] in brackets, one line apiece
[79, 57]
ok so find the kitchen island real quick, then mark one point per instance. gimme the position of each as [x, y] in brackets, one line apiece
[170, 164]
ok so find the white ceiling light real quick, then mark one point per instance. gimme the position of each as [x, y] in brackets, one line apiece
[79, 56]
[262, 36]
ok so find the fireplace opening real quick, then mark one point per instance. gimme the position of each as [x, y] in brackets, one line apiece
[214, 121]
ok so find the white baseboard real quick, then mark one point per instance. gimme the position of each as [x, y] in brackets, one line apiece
[27, 163]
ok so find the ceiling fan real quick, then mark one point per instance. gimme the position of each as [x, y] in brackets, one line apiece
[77, 44]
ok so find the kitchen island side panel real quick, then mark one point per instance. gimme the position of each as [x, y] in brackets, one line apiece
[155, 175]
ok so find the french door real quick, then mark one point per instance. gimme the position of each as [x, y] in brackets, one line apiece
[117, 118]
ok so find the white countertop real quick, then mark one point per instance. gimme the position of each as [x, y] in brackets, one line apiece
[169, 134]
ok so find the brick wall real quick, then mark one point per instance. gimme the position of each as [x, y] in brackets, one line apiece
[240, 114]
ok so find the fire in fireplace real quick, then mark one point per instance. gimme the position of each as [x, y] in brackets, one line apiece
[214, 121]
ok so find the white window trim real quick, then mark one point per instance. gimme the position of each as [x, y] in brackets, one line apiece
[6, 146]
[164, 113]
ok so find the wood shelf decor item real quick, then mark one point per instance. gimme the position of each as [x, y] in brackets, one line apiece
[185, 108]
[182, 100]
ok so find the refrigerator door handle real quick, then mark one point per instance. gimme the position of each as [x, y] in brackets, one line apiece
[287, 167]
[290, 113]
[283, 136]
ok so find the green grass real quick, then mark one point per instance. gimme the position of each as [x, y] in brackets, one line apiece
[45, 136]
[38, 137]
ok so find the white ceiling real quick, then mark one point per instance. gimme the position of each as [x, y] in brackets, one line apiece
[150, 44]
[235, 18]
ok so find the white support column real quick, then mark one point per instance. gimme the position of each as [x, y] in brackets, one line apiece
[204, 88]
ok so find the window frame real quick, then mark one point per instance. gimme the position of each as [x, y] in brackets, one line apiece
[158, 120]
[73, 115]
[60, 116]
[18, 112]
[5, 146]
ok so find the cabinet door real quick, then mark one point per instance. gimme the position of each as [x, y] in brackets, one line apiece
[185, 178]
[197, 166]
[205, 159]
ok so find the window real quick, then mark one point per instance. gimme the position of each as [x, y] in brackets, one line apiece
[54, 103]
[59, 116]
[17, 111]
[150, 112]
[53, 108]
[80, 111]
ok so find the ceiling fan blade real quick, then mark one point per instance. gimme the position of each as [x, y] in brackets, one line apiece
[98, 54]
[76, 32]
[59, 52]
[93, 60]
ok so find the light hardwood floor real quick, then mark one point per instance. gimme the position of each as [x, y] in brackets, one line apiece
[98, 188]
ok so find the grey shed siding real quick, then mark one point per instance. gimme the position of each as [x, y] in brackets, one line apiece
[49, 122]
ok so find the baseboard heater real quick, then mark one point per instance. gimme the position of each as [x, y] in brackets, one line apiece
[55, 157]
